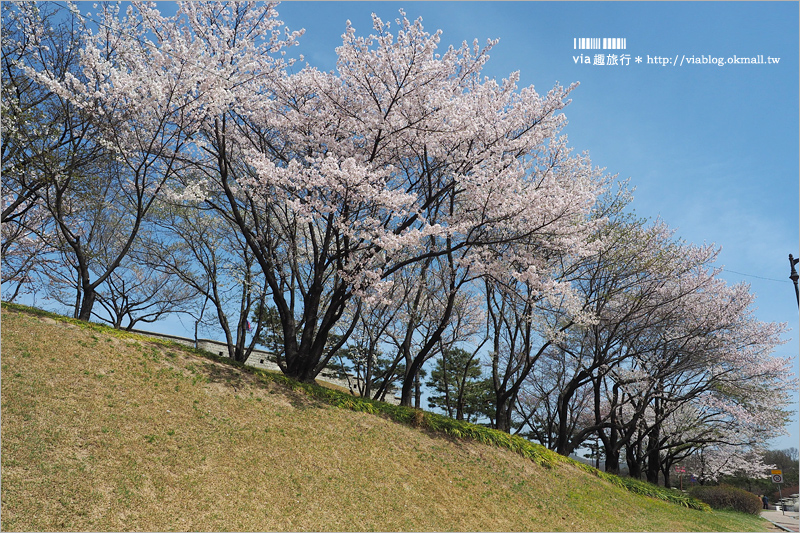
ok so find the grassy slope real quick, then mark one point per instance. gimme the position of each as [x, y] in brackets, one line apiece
[107, 431]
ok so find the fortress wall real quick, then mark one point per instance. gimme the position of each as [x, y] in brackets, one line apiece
[261, 359]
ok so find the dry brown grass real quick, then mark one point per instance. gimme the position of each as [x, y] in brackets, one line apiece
[104, 432]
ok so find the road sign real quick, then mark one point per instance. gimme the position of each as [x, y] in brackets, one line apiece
[777, 478]
[776, 472]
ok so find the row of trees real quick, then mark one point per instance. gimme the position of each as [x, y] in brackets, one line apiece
[400, 210]
[787, 461]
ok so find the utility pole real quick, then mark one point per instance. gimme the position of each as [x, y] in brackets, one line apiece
[794, 277]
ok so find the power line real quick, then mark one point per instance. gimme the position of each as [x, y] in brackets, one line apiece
[753, 276]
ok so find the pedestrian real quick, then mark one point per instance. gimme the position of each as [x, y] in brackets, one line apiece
[765, 501]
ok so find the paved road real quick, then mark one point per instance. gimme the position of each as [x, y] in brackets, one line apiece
[786, 522]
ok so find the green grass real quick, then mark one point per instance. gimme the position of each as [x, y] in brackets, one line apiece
[463, 430]
[105, 430]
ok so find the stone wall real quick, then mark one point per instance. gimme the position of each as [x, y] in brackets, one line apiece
[265, 360]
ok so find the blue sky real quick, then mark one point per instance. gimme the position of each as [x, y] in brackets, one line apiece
[712, 150]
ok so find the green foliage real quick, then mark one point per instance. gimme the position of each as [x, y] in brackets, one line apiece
[464, 430]
[460, 389]
[271, 335]
[726, 497]
[643, 488]
[354, 358]
[787, 462]
[750, 484]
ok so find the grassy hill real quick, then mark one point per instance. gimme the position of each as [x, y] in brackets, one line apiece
[103, 430]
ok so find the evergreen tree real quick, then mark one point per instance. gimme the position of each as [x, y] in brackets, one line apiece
[460, 389]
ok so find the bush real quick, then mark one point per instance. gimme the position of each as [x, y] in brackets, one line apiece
[728, 498]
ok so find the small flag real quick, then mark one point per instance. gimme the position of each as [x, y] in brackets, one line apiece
[248, 326]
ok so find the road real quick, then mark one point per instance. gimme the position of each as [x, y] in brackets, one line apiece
[784, 521]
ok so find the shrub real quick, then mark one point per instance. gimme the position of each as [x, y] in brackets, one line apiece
[728, 498]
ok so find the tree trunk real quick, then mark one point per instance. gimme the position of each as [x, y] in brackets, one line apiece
[408, 389]
[634, 464]
[653, 459]
[301, 370]
[562, 437]
[652, 476]
[612, 461]
[503, 415]
[78, 296]
[87, 303]
[653, 442]
[367, 391]
[417, 392]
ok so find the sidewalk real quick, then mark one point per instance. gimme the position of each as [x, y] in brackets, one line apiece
[787, 522]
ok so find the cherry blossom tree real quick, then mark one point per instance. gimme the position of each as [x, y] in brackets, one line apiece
[712, 462]
[400, 156]
[43, 136]
[668, 333]
[25, 250]
[536, 407]
[626, 286]
[337, 181]
[141, 84]
[142, 104]
[711, 353]
[740, 404]
[541, 379]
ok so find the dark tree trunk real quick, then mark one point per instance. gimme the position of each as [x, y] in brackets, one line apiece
[413, 369]
[564, 446]
[300, 365]
[634, 464]
[612, 461]
[503, 415]
[366, 393]
[563, 436]
[653, 459]
[407, 392]
[612, 451]
[417, 392]
[89, 297]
